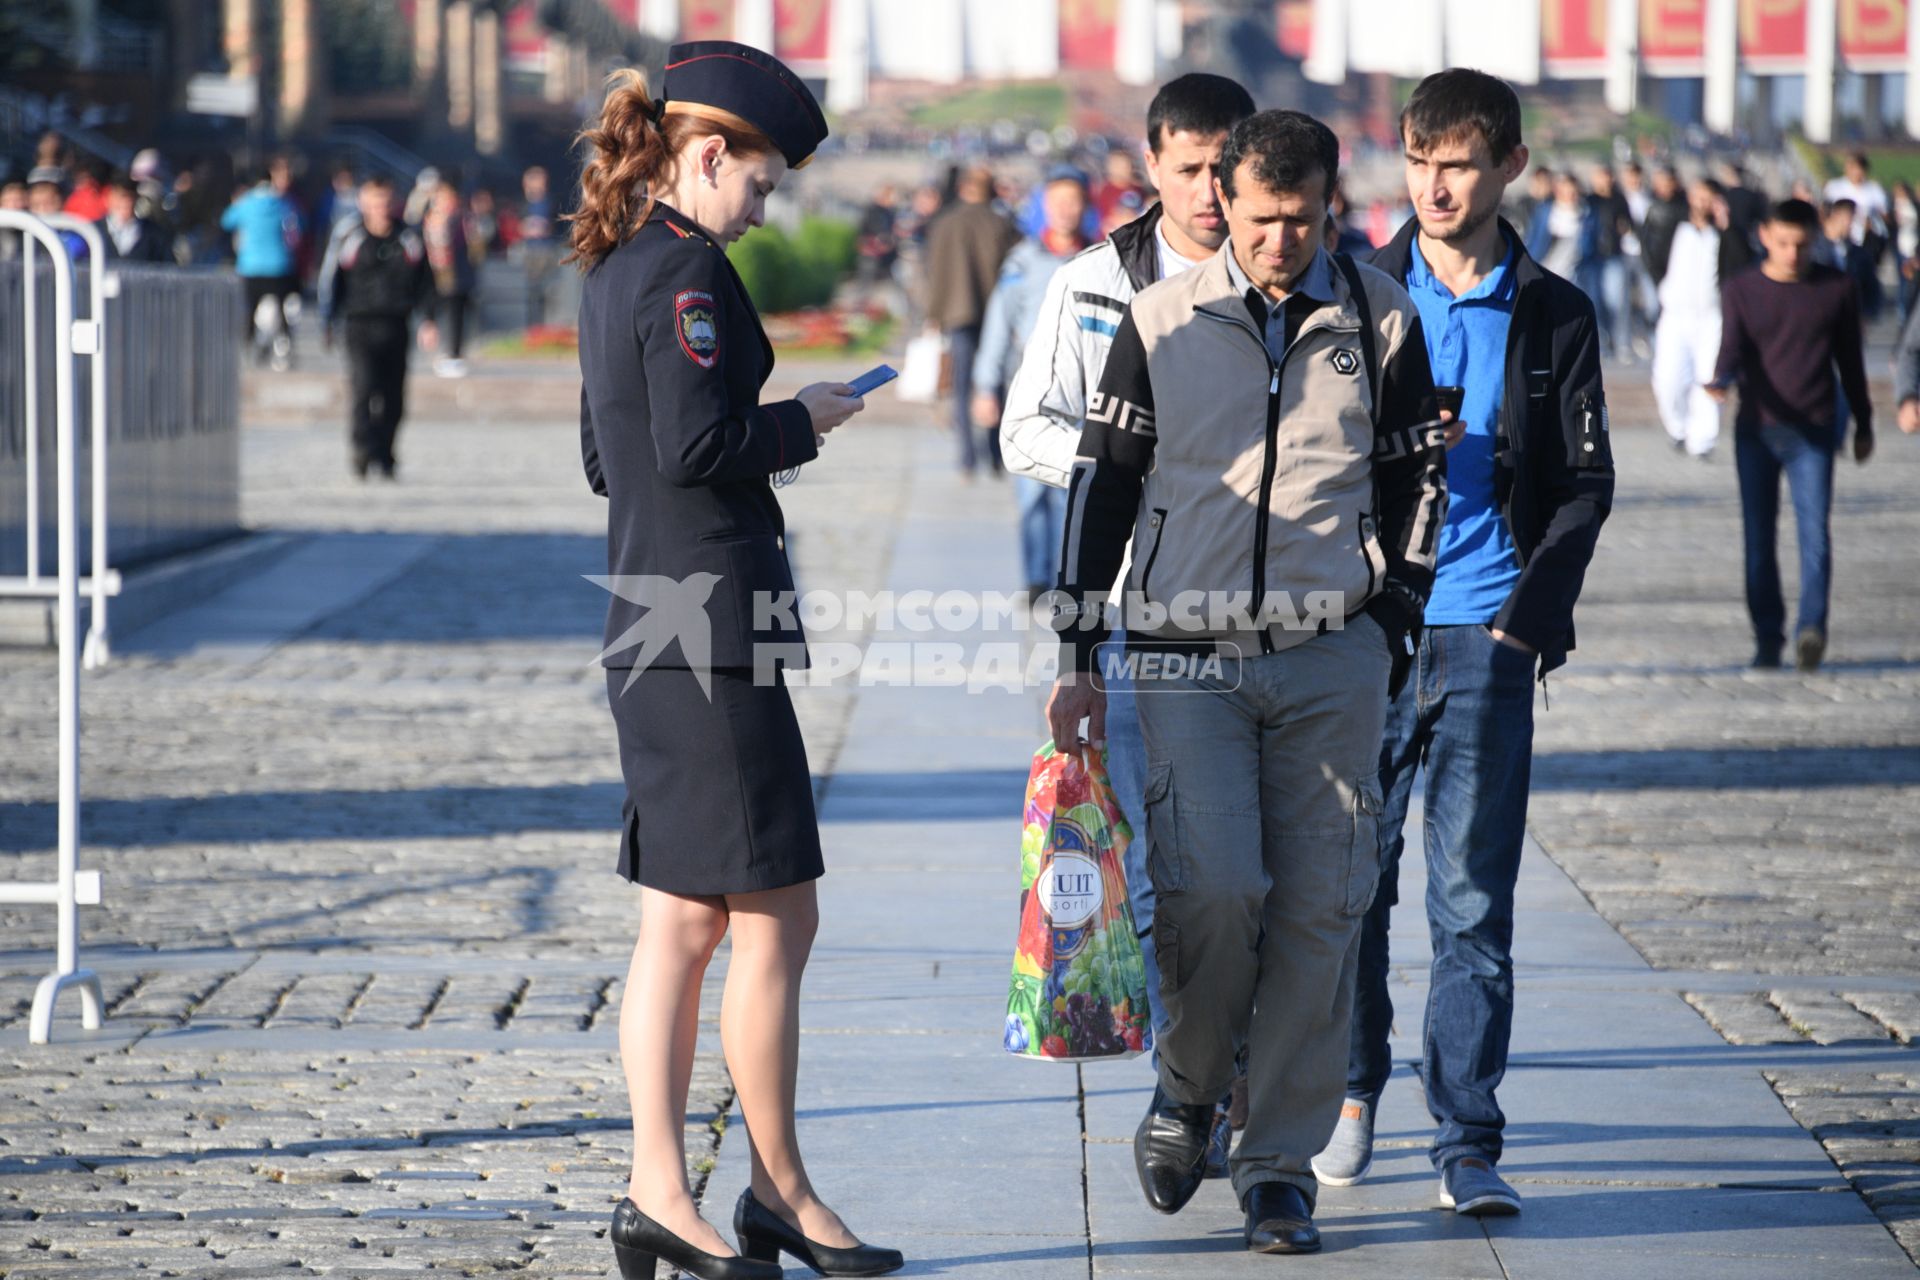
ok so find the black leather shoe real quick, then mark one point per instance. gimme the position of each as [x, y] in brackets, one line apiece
[640, 1244]
[1170, 1150]
[764, 1233]
[1279, 1219]
[1219, 1144]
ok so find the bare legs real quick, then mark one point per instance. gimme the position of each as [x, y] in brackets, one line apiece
[760, 1030]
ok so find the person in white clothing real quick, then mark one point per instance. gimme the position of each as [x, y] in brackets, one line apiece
[1686, 342]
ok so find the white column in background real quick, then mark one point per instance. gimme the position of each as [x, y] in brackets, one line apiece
[1823, 36]
[847, 55]
[1135, 55]
[1326, 60]
[1913, 68]
[1499, 37]
[1623, 55]
[1723, 64]
[660, 18]
[753, 23]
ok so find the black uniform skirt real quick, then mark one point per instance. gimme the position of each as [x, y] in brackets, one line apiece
[719, 796]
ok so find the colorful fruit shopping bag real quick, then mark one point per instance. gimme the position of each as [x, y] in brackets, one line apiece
[1079, 988]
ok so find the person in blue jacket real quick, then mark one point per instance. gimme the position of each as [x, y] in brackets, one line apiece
[265, 225]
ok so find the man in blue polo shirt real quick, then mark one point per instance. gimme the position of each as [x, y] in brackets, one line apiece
[1530, 479]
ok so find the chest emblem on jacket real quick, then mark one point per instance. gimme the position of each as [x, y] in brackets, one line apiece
[699, 332]
[1346, 362]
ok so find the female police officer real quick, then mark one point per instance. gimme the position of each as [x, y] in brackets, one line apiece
[719, 821]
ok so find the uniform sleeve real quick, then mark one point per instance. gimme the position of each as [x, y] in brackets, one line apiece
[1103, 494]
[590, 449]
[699, 436]
[1040, 427]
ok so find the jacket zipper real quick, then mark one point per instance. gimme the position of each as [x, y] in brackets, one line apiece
[1270, 460]
[1160, 535]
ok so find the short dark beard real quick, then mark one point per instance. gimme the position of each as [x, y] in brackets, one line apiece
[1464, 230]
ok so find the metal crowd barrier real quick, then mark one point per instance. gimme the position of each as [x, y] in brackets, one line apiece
[72, 887]
[88, 338]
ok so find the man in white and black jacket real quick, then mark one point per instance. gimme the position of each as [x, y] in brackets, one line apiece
[1265, 431]
[1530, 480]
[1066, 354]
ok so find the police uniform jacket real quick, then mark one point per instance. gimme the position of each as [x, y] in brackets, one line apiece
[673, 434]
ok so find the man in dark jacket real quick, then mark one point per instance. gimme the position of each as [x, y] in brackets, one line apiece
[1530, 479]
[1665, 213]
[130, 237]
[375, 277]
[1786, 329]
[966, 244]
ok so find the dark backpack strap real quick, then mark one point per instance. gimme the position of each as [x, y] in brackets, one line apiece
[1358, 289]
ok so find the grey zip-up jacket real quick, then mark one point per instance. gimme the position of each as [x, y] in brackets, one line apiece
[1271, 486]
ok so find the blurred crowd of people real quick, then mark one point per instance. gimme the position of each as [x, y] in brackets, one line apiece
[275, 225]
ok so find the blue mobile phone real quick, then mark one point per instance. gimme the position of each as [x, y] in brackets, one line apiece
[873, 379]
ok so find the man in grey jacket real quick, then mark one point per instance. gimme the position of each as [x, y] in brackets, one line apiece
[1267, 424]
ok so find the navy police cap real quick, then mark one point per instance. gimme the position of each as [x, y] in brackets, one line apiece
[738, 80]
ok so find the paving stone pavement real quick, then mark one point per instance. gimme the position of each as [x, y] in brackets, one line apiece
[1759, 827]
[359, 934]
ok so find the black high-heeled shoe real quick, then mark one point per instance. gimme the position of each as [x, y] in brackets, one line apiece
[640, 1244]
[764, 1233]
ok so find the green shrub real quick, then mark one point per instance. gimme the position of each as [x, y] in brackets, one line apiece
[785, 273]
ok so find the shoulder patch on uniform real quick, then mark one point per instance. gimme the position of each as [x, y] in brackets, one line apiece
[681, 231]
[697, 326]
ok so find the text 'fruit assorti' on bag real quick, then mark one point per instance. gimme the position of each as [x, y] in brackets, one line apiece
[1079, 988]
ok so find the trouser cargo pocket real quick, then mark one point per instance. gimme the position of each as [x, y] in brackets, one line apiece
[1363, 849]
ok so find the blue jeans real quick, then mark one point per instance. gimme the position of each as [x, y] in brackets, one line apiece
[1127, 771]
[1806, 456]
[1467, 714]
[1043, 527]
[963, 344]
[1616, 284]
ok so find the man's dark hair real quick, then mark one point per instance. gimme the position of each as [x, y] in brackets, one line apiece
[1458, 103]
[1860, 158]
[122, 182]
[1795, 213]
[1842, 205]
[378, 181]
[1286, 149]
[1196, 103]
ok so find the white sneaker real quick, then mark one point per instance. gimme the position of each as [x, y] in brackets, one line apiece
[448, 367]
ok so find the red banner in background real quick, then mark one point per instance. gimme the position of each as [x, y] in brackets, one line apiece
[1873, 34]
[1573, 36]
[706, 19]
[800, 30]
[1673, 36]
[1293, 21]
[1088, 32]
[1773, 35]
